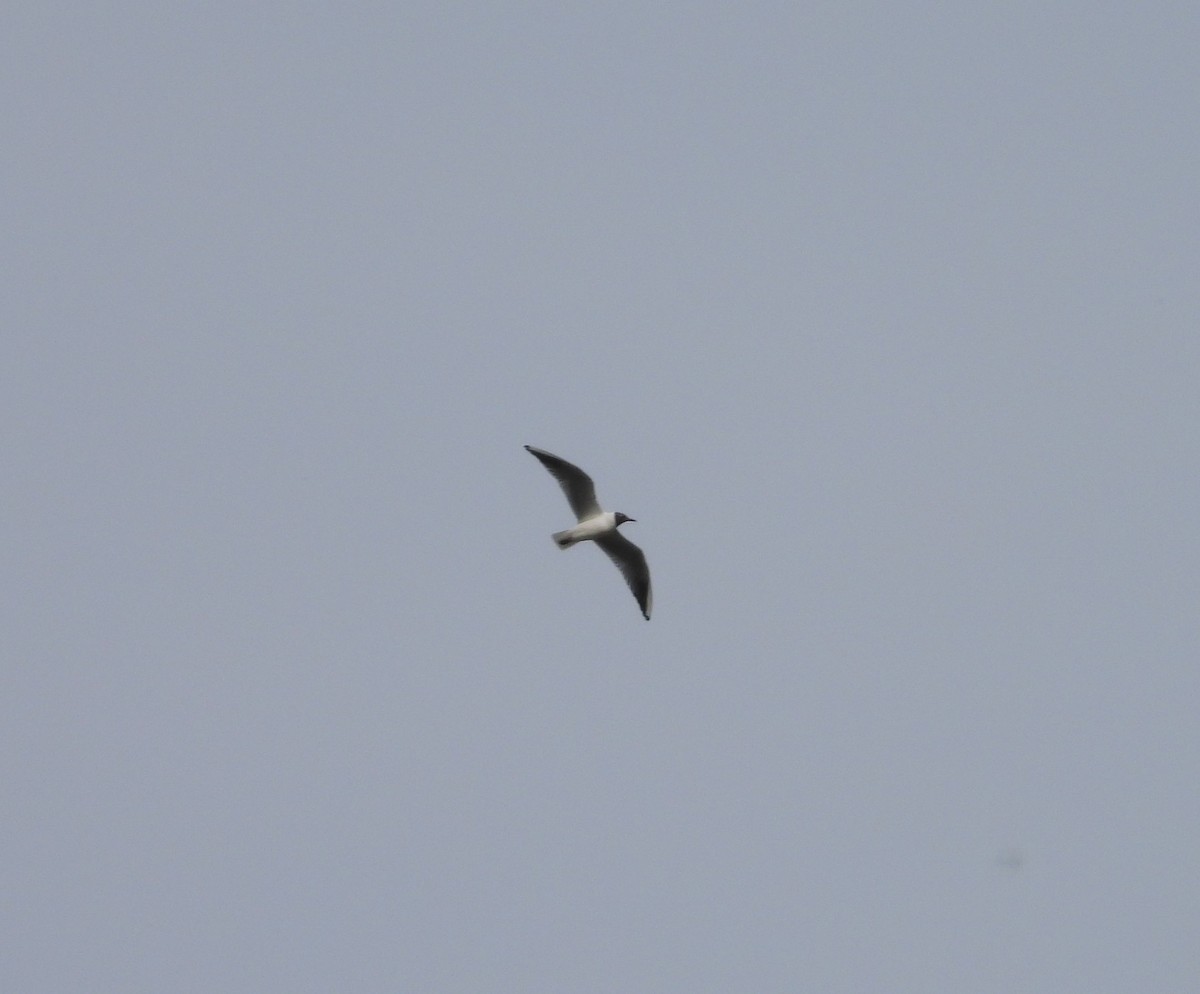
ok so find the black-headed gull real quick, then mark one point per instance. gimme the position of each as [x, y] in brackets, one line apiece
[597, 526]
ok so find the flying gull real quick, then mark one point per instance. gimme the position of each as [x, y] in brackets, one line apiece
[597, 526]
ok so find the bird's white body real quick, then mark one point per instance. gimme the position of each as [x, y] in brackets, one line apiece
[587, 530]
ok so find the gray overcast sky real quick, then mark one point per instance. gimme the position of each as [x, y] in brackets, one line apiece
[880, 318]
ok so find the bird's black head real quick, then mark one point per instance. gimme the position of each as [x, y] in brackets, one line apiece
[622, 517]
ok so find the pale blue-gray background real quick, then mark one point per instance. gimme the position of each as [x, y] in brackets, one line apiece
[880, 318]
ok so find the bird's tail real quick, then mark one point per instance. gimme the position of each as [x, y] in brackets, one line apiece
[564, 540]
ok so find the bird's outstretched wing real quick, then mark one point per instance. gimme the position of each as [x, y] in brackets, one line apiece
[631, 561]
[575, 483]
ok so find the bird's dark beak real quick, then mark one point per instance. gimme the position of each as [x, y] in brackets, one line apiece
[627, 520]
